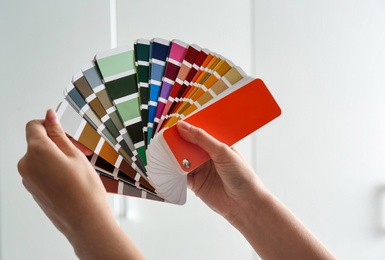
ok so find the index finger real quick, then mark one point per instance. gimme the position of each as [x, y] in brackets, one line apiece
[34, 129]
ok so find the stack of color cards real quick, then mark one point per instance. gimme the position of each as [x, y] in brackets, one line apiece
[123, 105]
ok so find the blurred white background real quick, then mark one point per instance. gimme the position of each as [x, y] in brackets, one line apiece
[324, 157]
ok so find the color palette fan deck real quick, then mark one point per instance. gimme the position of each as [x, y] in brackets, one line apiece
[125, 102]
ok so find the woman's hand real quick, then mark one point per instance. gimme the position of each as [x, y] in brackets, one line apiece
[67, 188]
[226, 182]
[230, 187]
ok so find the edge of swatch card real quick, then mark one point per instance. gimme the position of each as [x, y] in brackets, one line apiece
[142, 41]
[161, 41]
[173, 165]
[181, 43]
[205, 50]
[61, 107]
[88, 66]
[70, 86]
[232, 64]
[111, 52]
[196, 47]
[77, 76]
[160, 176]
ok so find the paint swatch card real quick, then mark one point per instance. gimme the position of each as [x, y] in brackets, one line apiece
[125, 102]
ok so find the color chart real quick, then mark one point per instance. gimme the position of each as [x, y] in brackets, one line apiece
[124, 105]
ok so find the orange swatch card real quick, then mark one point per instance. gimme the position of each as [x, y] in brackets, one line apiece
[229, 119]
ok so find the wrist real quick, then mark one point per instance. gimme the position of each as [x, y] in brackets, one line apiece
[249, 211]
[85, 233]
[274, 232]
[103, 240]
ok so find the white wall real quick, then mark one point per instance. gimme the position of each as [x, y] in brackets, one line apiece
[324, 157]
[43, 43]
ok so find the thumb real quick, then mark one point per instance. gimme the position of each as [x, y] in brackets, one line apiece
[216, 149]
[56, 133]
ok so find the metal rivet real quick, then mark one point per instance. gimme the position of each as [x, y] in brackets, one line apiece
[186, 163]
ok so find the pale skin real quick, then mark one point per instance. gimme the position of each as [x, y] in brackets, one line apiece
[58, 175]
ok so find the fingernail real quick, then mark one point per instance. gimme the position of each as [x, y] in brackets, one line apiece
[184, 125]
[51, 117]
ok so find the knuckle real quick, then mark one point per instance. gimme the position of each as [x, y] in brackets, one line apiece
[55, 132]
[21, 166]
[32, 124]
[35, 144]
[26, 185]
[29, 125]
[220, 149]
[37, 147]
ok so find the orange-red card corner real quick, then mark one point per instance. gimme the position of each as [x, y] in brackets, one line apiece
[229, 120]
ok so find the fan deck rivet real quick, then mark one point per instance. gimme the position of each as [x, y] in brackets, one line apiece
[186, 163]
